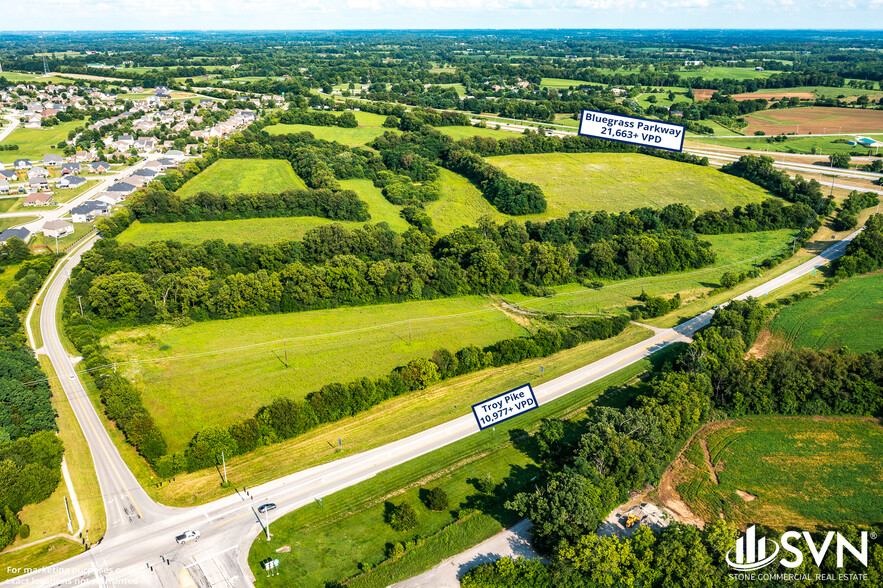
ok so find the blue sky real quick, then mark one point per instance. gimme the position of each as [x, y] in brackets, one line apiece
[435, 14]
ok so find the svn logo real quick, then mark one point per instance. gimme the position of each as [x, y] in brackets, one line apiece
[753, 554]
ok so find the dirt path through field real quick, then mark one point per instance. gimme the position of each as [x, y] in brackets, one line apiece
[704, 443]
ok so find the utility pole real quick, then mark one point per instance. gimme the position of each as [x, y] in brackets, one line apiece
[80, 300]
[267, 522]
[225, 466]
[56, 243]
[70, 528]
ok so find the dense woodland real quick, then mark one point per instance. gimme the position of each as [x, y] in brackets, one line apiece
[30, 451]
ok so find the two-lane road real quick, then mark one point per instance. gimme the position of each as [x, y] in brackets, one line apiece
[141, 550]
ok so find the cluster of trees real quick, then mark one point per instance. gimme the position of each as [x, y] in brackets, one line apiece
[586, 472]
[400, 190]
[28, 280]
[30, 452]
[766, 216]
[319, 118]
[655, 306]
[865, 252]
[760, 171]
[847, 216]
[155, 204]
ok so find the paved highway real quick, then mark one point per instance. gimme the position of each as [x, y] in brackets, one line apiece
[139, 547]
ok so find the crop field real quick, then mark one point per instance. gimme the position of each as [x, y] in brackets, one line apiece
[561, 84]
[821, 145]
[615, 182]
[849, 314]
[33, 143]
[816, 120]
[809, 473]
[288, 355]
[735, 253]
[243, 176]
[370, 127]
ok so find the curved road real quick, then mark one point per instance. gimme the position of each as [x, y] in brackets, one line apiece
[139, 547]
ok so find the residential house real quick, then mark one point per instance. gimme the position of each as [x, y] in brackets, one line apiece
[145, 144]
[38, 199]
[175, 155]
[123, 188]
[145, 173]
[22, 233]
[154, 165]
[37, 184]
[71, 181]
[8, 174]
[126, 140]
[52, 160]
[88, 210]
[71, 168]
[166, 163]
[110, 198]
[22, 164]
[57, 228]
[99, 167]
[4, 186]
[83, 157]
[38, 172]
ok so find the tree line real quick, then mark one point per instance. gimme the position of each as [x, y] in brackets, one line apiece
[156, 204]
[30, 451]
[760, 171]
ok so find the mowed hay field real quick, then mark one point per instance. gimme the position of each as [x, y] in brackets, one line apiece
[624, 181]
[370, 126]
[849, 314]
[34, 143]
[809, 473]
[218, 372]
[244, 176]
[814, 119]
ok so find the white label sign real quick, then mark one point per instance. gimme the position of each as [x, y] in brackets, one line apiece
[628, 129]
[504, 406]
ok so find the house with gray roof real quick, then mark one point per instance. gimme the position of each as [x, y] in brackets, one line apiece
[71, 168]
[71, 181]
[22, 164]
[88, 210]
[52, 160]
[22, 233]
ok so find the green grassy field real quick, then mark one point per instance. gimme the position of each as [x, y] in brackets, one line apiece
[823, 146]
[463, 132]
[560, 83]
[34, 143]
[805, 473]
[370, 127]
[380, 209]
[243, 176]
[624, 181]
[322, 346]
[736, 253]
[349, 529]
[80, 230]
[252, 230]
[849, 314]
[11, 221]
[725, 73]
[823, 91]
[461, 204]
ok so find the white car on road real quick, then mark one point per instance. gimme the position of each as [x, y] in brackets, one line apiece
[187, 536]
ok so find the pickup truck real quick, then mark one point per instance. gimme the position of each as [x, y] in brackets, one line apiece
[187, 536]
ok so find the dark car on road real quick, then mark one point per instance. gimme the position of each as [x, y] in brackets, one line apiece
[267, 507]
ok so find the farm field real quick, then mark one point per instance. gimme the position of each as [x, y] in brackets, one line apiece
[735, 253]
[816, 120]
[615, 182]
[323, 346]
[251, 230]
[823, 145]
[243, 176]
[820, 91]
[462, 132]
[765, 94]
[808, 473]
[561, 84]
[725, 73]
[34, 143]
[370, 127]
[849, 314]
[461, 204]
[349, 528]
